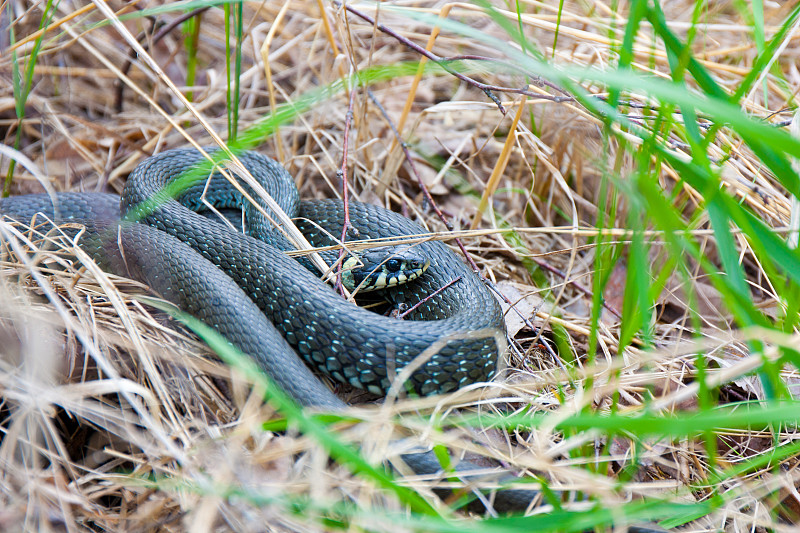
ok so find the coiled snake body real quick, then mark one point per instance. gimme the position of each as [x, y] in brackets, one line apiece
[268, 307]
[345, 341]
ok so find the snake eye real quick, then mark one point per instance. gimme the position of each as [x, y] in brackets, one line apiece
[393, 265]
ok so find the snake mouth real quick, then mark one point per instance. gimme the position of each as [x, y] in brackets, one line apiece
[381, 268]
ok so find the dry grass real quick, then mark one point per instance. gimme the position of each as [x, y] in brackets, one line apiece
[116, 419]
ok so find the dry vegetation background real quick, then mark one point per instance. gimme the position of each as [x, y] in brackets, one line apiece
[117, 419]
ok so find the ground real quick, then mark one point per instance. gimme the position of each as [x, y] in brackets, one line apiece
[619, 173]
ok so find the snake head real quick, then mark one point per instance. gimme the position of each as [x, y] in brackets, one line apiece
[379, 268]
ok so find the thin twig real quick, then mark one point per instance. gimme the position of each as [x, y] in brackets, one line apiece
[537, 80]
[487, 89]
[342, 174]
[545, 266]
[428, 297]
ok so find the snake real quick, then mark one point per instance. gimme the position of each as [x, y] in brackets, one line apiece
[277, 310]
[348, 343]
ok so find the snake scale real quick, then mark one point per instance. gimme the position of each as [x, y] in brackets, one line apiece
[277, 312]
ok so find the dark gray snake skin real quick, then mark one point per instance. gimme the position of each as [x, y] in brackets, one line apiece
[272, 310]
[346, 342]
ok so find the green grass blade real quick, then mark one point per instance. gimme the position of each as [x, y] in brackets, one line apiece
[21, 92]
[191, 29]
[644, 425]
